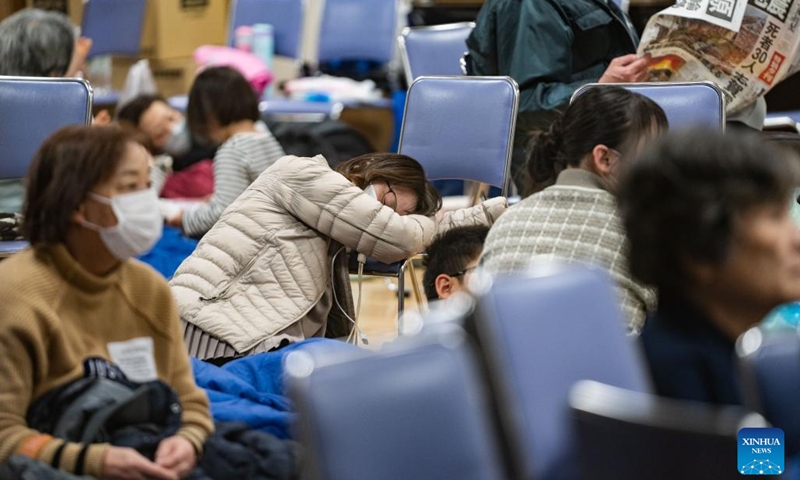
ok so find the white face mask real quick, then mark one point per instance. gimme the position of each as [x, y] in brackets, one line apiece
[139, 223]
[180, 140]
[370, 190]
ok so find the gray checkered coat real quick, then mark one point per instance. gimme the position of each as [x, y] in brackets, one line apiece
[574, 220]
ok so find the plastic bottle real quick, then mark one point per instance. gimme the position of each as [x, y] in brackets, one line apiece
[264, 47]
[243, 38]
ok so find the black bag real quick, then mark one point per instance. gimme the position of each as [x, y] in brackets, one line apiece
[100, 410]
[9, 226]
[334, 140]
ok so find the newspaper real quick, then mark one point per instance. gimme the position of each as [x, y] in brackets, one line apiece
[745, 47]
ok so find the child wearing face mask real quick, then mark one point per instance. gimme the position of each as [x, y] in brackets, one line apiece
[223, 109]
[181, 166]
[78, 299]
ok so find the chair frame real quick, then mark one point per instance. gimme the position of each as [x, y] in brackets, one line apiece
[408, 264]
[11, 247]
[321, 40]
[512, 127]
[131, 54]
[302, 367]
[80, 81]
[713, 86]
[401, 41]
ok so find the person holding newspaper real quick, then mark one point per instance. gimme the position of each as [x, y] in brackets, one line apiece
[551, 48]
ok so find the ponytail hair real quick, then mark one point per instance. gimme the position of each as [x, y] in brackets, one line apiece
[605, 115]
[545, 159]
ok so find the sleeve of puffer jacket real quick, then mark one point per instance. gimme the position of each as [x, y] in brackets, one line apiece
[334, 207]
[485, 213]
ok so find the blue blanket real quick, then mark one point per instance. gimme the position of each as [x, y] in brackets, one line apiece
[251, 389]
[170, 251]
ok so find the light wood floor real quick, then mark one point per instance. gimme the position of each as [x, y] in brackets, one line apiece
[379, 308]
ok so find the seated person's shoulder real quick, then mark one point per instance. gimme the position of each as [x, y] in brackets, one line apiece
[666, 343]
[27, 274]
[143, 280]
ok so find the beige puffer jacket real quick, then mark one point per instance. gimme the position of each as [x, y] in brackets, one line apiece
[265, 264]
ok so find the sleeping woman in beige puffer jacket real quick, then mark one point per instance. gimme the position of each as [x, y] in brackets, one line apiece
[262, 276]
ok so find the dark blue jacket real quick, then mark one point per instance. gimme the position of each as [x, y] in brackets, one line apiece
[689, 357]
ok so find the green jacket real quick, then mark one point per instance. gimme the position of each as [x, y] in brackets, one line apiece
[550, 47]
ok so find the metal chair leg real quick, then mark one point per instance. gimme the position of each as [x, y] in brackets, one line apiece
[422, 304]
[401, 290]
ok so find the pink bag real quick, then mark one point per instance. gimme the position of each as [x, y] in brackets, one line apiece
[250, 66]
[196, 181]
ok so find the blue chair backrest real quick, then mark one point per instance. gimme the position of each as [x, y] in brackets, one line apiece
[687, 105]
[461, 128]
[769, 364]
[285, 16]
[435, 50]
[358, 30]
[541, 334]
[115, 26]
[33, 108]
[416, 410]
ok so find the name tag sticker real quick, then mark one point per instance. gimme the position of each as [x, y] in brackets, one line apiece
[135, 358]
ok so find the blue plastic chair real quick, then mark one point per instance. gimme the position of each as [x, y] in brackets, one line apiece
[115, 27]
[627, 435]
[357, 30]
[285, 16]
[455, 139]
[462, 128]
[687, 105]
[434, 50]
[416, 410]
[350, 30]
[38, 107]
[769, 368]
[541, 333]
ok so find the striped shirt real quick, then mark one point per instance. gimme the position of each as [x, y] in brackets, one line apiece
[575, 220]
[237, 163]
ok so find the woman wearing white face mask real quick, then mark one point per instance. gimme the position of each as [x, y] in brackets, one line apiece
[77, 295]
[273, 270]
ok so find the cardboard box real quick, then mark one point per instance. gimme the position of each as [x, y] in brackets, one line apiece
[73, 8]
[8, 7]
[175, 28]
[375, 124]
[173, 76]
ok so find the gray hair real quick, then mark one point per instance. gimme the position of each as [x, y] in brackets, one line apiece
[36, 43]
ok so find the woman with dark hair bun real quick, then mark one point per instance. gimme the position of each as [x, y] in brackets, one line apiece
[576, 219]
[710, 226]
[274, 268]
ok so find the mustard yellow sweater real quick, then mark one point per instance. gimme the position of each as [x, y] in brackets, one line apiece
[54, 315]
